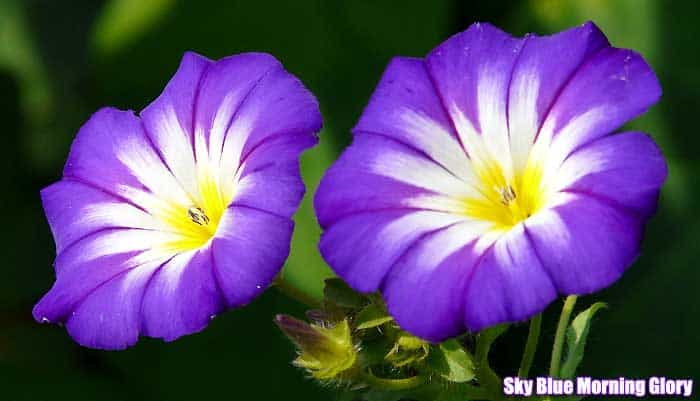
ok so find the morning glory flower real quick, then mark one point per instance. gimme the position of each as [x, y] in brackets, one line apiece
[163, 220]
[485, 180]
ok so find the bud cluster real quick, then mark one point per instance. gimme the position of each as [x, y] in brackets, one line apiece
[353, 344]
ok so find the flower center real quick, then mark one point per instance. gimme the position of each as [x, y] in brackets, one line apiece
[506, 199]
[198, 216]
[194, 224]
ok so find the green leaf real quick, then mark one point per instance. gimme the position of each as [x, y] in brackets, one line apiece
[122, 22]
[371, 316]
[452, 362]
[337, 292]
[21, 56]
[576, 336]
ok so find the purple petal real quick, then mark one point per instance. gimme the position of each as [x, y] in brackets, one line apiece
[626, 169]
[168, 120]
[508, 284]
[377, 173]
[223, 89]
[247, 98]
[472, 72]
[277, 107]
[91, 262]
[181, 297]
[109, 317]
[94, 153]
[75, 210]
[425, 289]
[277, 149]
[276, 189]
[248, 251]
[270, 177]
[112, 153]
[537, 79]
[406, 108]
[584, 243]
[178, 97]
[611, 88]
[383, 236]
[69, 289]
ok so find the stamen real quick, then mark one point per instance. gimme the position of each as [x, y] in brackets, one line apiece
[507, 194]
[198, 216]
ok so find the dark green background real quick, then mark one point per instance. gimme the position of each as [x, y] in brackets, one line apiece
[61, 60]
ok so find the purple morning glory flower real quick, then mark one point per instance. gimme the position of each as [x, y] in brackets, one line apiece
[483, 180]
[163, 220]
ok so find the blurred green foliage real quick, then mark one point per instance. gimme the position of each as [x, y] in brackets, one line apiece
[61, 60]
[122, 22]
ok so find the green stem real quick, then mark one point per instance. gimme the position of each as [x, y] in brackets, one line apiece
[290, 290]
[492, 384]
[392, 384]
[489, 380]
[533, 337]
[560, 335]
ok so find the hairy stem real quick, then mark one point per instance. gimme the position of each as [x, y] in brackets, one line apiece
[560, 335]
[533, 337]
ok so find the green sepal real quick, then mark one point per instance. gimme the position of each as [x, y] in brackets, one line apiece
[408, 350]
[374, 351]
[372, 315]
[452, 362]
[576, 335]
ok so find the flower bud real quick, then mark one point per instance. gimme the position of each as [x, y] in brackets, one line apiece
[325, 351]
[407, 350]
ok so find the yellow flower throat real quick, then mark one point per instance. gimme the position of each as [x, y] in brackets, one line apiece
[506, 202]
[195, 224]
